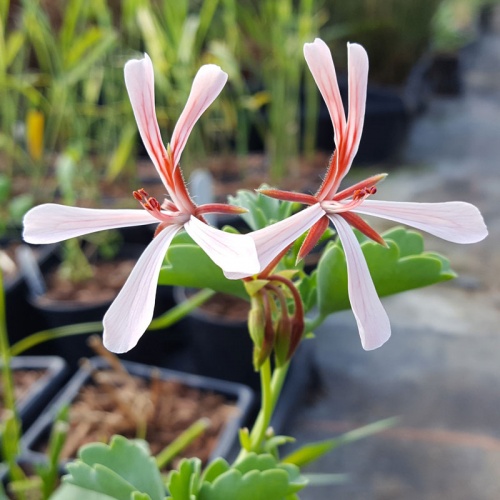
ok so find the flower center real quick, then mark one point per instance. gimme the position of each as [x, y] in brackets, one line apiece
[339, 206]
[167, 212]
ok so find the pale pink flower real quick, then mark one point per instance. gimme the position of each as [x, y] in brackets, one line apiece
[132, 310]
[453, 221]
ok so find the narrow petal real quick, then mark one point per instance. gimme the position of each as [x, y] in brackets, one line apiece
[271, 240]
[454, 221]
[349, 142]
[373, 322]
[51, 223]
[132, 310]
[233, 253]
[207, 85]
[139, 80]
[358, 81]
[320, 62]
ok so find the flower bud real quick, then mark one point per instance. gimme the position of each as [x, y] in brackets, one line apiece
[282, 340]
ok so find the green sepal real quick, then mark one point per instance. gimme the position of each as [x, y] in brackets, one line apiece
[254, 286]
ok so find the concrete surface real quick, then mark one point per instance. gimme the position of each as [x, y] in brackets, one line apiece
[440, 371]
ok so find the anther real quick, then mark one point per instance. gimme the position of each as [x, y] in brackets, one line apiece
[153, 202]
[140, 195]
[363, 193]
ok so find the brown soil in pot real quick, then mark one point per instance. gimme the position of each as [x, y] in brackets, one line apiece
[122, 404]
[108, 279]
[230, 307]
[157, 410]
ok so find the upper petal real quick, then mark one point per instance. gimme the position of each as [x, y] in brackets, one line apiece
[50, 223]
[454, 221]
[373, 322]
[207, 85]
[139, 80]
[320, 62]
[231, 252]
[358, 81]
[349, 142]
[273, 239]
[132, 311]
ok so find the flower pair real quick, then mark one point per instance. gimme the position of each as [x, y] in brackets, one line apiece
[241, 256]
[453, 221]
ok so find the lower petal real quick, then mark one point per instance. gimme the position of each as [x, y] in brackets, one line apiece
[51, 223]
[132, 311]
[233, 253]
[373, 322]
[272, 240]
[453, 221]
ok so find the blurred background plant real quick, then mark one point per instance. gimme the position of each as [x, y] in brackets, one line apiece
[270, 54]
[394, 33]
[61, 79]
[456, 23]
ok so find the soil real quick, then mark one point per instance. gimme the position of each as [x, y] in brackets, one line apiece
[232, 308]
[23, 380]
[118, 403]
[107, 281]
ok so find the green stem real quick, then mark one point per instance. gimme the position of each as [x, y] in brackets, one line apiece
[9, 445]
[169, 318]
[178, 312]
[181, 442]
[8, 385]
[311, 325]
[45, 335]
[265, 414]
[259, 431]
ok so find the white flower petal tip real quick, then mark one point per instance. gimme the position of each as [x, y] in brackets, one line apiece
[235, 254]
[454, 221]
[51, 223]
[357, 51]
[372, 320]
[320, 62]
[207, 85]
[211, 75]
[375, 335]
[132, 311]
[316, 46]
[133, 65]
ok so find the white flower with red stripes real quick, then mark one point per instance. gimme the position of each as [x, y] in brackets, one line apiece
[132, 310]
[453, 221]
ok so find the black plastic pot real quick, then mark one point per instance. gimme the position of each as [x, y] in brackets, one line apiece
[22, 320]
[150, 348]
[385, 127]
[228, 440]
[44, 389]
[219, 347]
[222, 348]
